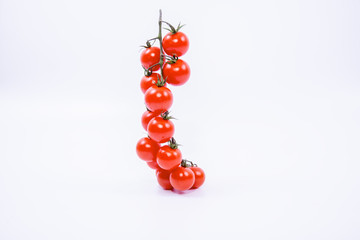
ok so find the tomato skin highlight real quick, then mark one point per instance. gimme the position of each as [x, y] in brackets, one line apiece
[168, 158]
[149, 57]
[148, 81]
[182, 178]
[163, 178]
[147, 116]
[175, 44]
[147, 149]
[177, 73]
[158, 99]
[160, 130]
[199, 177]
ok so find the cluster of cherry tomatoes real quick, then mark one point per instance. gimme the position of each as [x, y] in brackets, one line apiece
[172, 171]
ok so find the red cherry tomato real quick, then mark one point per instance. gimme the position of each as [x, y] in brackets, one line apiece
[149, 57]
[168, 158]
[153, 165]
[147, 149]
[158, 99]
[147, 116]
[175, 44]
[199, 176]
[160, 130]
[163, 179]
[177, 73]
[148, 81]
[182, 178]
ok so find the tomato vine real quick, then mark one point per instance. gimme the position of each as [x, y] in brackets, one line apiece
[172, 171]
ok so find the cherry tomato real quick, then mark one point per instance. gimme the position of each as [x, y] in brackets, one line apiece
[182, 178]
[148, 81]
[149, 57]
[153, 165]
[163, 179]
[168, 158]
[177, 73]
[175, 44]
[147, 116]
[160, 130]
[158, 99]
[147, 149]
[199, 176]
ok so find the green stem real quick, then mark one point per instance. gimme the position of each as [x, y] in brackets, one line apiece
[161, 46]
[172, 29]
[152, 39]
[150, 68]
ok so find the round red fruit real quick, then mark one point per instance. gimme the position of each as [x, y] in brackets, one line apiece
[147, 149]
[175, 44]
[163, 178]
[160, 130]
[153, 165]
[199, 176]
[148, 81]
[149, 57]
[168, 158]
[147, 116]
[177, 73]
[158, 99]
[182, 178]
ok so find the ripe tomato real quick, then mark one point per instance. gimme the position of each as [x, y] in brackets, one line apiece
[177, 73]
[160, 130]
[163, 179]
[199, 176]
[147, 149]
[147, 116]
[158, 99]
[175, 44]
[168, 158]
[153, 165]
[150, 56]
[182, 178]
[148, 81]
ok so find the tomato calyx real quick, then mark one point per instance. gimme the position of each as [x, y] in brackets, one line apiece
[147, 72]
[172, 29]
[148, 43]
[160, 82]
[173, 144]
[186, 163]
[172, 59]
[165, 115]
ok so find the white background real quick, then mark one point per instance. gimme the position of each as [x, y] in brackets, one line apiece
[271, 113]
